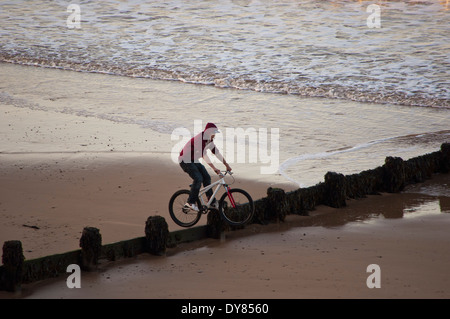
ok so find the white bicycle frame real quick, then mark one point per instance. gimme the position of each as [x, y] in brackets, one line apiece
[220, 182]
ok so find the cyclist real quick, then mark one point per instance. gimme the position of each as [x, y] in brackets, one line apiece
[189, 160]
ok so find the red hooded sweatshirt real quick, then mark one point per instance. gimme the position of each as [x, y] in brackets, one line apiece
[199, 144]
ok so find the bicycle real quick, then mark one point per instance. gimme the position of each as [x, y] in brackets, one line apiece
[236, 206]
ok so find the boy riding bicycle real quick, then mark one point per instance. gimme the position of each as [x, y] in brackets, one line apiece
[189, 160]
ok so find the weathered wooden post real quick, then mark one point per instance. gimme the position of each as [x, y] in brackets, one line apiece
[394, 174]
[335, 190]
[277, 206]
[216, 225]
[260, 211]
[445, 157]
[12, 259]
[157, 235]
[91, 246]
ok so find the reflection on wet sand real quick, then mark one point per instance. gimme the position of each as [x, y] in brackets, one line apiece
[424, 199]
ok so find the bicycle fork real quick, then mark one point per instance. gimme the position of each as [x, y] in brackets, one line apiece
[230, 196]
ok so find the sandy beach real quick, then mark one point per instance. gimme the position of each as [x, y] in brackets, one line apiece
[301, 258]
[47, 201]
[60, 172]
[324, 255]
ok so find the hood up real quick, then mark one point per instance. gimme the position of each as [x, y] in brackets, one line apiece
[210, 129]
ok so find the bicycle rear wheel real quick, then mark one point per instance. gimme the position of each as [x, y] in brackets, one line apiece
[180, 215]
[236, 207]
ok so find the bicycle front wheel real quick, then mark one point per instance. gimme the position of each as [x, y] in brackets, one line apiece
[236, 207]
[180, 215]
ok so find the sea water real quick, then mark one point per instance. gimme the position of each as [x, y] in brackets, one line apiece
[342, 93]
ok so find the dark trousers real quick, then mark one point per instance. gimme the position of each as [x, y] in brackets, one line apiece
[200, 175]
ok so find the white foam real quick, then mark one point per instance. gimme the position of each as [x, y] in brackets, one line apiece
[304, 49]
[397, 151]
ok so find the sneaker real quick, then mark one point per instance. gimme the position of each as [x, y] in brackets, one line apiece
[215, 204]
[191, 206]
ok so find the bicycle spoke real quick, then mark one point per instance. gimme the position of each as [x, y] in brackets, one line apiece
[180, 215]
[237, 207]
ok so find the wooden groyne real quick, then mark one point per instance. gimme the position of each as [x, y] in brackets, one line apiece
[336, 189]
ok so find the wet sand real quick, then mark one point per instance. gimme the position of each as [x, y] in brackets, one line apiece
[57, 198]
[324, 255]
[61, 172]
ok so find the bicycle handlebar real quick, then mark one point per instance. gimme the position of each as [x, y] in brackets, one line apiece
[223, 173]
